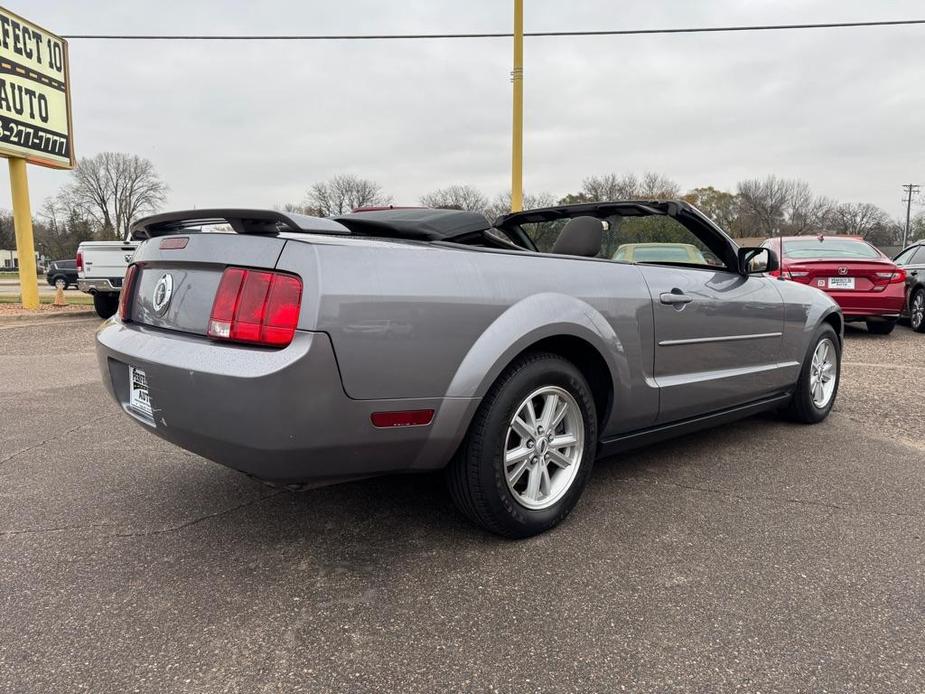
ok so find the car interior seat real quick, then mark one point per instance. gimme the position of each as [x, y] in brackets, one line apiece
[580, 236]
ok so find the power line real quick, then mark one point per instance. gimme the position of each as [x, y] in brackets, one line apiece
[484, 35]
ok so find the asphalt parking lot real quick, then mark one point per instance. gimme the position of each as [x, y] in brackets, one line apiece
[761, 557]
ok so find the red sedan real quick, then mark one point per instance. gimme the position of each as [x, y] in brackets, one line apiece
[866, 284]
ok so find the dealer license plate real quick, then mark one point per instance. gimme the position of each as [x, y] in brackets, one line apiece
[139, 399]
[841, 282]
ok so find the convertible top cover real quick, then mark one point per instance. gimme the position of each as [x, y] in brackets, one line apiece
[424, 224]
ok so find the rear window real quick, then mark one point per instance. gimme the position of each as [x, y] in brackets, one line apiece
[829, 249]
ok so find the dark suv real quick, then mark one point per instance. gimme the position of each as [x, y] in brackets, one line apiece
[63, 270]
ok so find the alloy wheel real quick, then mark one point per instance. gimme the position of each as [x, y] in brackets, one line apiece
[822, 373]
[543, 447]
[917, 310]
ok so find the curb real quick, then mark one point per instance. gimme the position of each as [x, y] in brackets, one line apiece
[43, 317]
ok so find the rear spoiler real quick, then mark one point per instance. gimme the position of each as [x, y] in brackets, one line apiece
[240, 220]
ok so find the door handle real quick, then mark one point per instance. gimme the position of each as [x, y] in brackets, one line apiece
[914, 273]
[674, 298]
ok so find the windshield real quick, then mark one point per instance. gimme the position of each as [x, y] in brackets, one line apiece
[666, 253]
[829, 248]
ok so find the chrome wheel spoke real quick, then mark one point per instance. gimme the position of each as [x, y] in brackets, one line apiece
[533, 484]
[563, 441]
[557, 458]
[514, 476]
[516, 455]
[522, 429]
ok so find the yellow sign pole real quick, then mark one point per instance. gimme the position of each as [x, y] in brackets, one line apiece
[517, 77]
[22, 222]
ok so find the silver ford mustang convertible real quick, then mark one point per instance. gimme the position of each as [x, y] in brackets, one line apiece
[303, 350]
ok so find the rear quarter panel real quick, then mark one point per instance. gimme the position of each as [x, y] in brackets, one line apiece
[426, 320]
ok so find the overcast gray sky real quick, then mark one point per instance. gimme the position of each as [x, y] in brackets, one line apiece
[254, 124]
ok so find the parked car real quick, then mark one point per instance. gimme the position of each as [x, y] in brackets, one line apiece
[306, 350]
[866, 284]
[658, 252]
[100, 271]
[63, 271]
[912, 261]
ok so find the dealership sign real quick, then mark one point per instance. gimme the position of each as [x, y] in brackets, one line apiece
[35, 102]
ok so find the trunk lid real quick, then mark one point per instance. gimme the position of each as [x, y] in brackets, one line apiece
[867, 275]
[175, 286]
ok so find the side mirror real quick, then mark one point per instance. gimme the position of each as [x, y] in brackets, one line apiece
[754, 261]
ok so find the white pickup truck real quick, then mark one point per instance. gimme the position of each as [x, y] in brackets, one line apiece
[100, 269]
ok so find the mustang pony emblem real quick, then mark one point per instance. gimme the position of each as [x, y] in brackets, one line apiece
[163, 290]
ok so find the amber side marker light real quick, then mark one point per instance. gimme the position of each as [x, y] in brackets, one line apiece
[402, 418]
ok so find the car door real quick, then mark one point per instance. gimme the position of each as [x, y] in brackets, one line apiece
[913, 262]
[717, 339]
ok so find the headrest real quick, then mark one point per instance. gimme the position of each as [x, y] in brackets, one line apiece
[580, 236]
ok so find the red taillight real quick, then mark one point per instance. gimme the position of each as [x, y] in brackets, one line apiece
[256, 306]
[128, 288]
[883, 279]
[402, 418]
[79, 262]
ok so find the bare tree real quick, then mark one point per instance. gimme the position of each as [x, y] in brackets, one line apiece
[501, 205]
[114, 189]
[343, 193]
[456, 197]
[657, 186]
[807, 212]
[858, 218]
[773, 205]
[764, 202]
[611, 186]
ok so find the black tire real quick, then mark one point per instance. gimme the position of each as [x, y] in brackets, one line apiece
[56, 279]
[917, 320]
[880, 327]
[105, 304]
[476, 475]
[801, 407]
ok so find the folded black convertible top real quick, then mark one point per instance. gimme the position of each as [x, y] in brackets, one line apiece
[425, 224]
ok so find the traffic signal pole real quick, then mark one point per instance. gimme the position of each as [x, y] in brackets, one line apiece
[22, 223]
[517, 78]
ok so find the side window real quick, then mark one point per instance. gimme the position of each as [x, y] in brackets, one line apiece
[905, 257]
[919, 257]
[656, 240]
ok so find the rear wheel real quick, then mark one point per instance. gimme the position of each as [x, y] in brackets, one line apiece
[105, 304]
[917, 310]
[880, 327]
[818, 385]
[529, 450]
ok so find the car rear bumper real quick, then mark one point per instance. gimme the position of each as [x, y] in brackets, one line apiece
[280, 415]
[859, 305]
[98, 285]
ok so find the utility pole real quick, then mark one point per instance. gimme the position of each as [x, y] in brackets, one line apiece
[911, 189]
[517, 143]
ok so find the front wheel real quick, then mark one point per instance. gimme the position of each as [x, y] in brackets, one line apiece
[529, 450]
[917, 310]
[106, 304]
[818, 385]
[880, 327]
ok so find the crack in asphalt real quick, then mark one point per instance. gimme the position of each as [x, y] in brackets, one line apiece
[143, 533]
[779, 499]
[64, 433]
